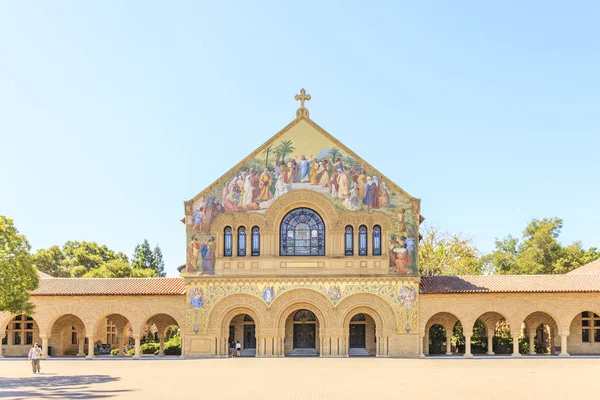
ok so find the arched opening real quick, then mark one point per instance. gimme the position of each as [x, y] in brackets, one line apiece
[20, 334]
[67, 337]
[584, 337]
[491, 335]
[242, 330]
[113, 336]
[443, 335]
[540, 332]
[362, 338]
[302, 233]
[302, 334]
[161, 336]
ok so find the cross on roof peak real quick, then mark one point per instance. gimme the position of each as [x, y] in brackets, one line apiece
[302, 97]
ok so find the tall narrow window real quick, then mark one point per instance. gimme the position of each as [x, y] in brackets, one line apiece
[362, 241]
[376, 240]
[227, 242]
[241, 242]
[349, 241]
[256, 241]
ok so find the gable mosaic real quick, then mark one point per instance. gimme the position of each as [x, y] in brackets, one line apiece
[302, 157]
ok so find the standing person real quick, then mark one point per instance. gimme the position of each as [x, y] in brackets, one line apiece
[238, 349]
[231, 348]
[35, 353]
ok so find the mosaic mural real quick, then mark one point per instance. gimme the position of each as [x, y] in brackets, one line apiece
[303, 159]
[401, 296]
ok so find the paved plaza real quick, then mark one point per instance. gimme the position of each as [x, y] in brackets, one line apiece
[302, 378]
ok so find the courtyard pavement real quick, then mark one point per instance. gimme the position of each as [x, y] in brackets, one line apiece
[303, 378]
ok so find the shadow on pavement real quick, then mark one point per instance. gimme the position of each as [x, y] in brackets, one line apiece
[57, 387]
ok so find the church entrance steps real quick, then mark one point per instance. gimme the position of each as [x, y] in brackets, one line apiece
[359, 352]
[248, 353]
[303, 353]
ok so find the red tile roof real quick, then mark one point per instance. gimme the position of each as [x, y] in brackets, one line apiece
[109, 286]
[592, 268]
[510, 284]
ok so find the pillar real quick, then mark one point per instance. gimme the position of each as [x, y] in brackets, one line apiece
[138, 342]
[90, 355]
[81, 343]
[468, 345]
[531, 342]
[448, 344]
[515, 338]
[563, 344]
[161, 345]
[182, 356]
[490, 342]
[385, 346]
[2, 334]
[44, 346]
[421, 346]
[426, 344]
[120, 343]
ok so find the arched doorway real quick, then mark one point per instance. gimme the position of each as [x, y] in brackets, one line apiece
[362, 336]
[242, 329]
[440, 331]
[67, 337]
[491, 335]
[541, 330]
[161, 336]
[304, 330]
[438, 340]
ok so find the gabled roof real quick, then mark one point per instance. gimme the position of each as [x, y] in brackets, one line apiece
[592, 268]
[109, 286]
[510, 284]
[322, 131]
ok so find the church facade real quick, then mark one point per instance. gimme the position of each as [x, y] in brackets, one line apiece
[303, 248]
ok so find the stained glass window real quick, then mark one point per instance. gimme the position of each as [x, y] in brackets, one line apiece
[227, 242]
[349, 241]
[256, 241]
[241, 242]
[362, 241]
[376, 240]
[304, 316]
[302, 233]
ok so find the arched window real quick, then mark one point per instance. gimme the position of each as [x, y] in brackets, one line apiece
[349, 241]
[302, 233]
[241, 242]
[362, 240]
[376, 240]
[256, 241]
[227, 242]
[304, 316]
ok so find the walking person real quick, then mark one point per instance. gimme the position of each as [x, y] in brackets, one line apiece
[238, 349]
[35, 353]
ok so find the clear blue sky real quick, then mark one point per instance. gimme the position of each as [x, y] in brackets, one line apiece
[113, 113]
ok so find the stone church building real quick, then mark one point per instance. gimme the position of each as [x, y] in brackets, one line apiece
[305, 249]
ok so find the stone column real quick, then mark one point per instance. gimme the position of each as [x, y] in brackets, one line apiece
[515, 338]
[81, 343]
[2, 334]
[90, 355]
[563, 344]
[490, 342]
[44, 346]
[531, 342]
[138, 342]
[449, 344]
[182, 336]
[468, 345]
[425, 340]
[161, 345]
[120, 343]
[385, 346]
[421, 346]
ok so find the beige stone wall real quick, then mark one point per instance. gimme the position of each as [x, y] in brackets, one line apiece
[523, 312]
[55, 316]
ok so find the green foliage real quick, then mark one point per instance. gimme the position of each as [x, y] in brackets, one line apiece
[131, 352]
[539, 251]
[443, 254]
[149, 348]
[334, 153]
[144, 258]
[281, 151]
[114, 352]
[110, 269]
[52, 262]
[173, 346]
[18, 275]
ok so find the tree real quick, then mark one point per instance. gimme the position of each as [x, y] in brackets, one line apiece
[52, 262]
[284, 149]
[144, 258]
[266, 152]
[18, 275]
[334, 153]
[539, 251]
[441, 253]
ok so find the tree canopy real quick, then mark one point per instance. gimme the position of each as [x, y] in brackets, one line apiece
[90, 260]
[144, 258]
[539, 251]
[18, 276]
